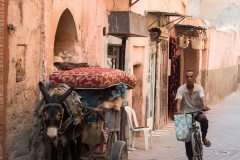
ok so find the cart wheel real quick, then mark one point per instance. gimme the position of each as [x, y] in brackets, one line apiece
[119, 151]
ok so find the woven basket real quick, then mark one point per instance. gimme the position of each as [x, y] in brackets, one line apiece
[183, 42]
[197, 43]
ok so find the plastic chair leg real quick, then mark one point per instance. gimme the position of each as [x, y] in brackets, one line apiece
[133, 139]
[146, 139]
[130, 139]
[151, 139]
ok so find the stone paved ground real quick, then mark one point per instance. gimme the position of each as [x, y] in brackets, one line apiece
[224, 133]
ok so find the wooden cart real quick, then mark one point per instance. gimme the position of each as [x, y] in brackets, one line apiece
[115, 125]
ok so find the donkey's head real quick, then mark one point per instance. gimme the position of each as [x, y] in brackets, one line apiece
[53, 111]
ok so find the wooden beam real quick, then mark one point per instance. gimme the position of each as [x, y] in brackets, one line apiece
[131, 4]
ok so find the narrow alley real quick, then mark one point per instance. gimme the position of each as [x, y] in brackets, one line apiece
[224, 129]
[69, 68]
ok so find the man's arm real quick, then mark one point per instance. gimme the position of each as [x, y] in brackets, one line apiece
[178, 106]
[204, 105]
[203, 101]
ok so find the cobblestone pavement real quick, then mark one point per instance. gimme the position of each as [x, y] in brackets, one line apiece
[224, 133]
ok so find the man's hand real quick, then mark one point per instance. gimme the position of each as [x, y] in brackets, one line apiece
[177, 112]
[205, 108]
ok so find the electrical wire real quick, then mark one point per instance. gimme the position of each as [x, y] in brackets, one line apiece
[113, 5]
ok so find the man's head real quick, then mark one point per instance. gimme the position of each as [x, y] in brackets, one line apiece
[57, 62]
[190, 76]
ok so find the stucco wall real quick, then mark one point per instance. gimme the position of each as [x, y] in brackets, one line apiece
[3, 72]
[238, 78]
[219, 83]
[222, 65]
[224, 49]
[224, 15]
[36, 23]
[179, 6]
[211, 9]
[22, 96]
[194, 8]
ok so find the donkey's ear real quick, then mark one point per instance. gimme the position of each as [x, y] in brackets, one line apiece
[65, 95]
[44, 91]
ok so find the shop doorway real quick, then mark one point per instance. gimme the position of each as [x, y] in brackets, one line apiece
[163, 84]
[173, 77]
[151, 84]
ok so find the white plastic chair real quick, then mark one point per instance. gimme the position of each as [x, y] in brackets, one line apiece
[134, 127]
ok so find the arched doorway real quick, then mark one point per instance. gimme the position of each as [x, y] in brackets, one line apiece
[66, 44]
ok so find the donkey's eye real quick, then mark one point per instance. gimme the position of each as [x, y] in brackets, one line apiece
[59, 115]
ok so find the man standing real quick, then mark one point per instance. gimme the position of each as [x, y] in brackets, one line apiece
[190, 98]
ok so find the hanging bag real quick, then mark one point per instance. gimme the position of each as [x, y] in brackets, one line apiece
[183, 123]
[183, 42]
[197, 41]
[205, 40]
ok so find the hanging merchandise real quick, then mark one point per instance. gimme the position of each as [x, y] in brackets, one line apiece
[183, 41]
[197, 43]
[206, 43]
[205, 40]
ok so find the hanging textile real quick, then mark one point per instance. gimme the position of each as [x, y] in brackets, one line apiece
[173, 47]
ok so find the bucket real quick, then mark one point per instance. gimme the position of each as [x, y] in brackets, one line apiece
[183, 42]
[197, 43]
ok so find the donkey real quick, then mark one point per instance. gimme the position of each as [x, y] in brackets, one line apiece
[59, 125]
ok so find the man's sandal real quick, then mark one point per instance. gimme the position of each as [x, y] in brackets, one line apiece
[206, 142]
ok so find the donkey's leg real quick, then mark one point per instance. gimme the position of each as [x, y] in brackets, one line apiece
[54, 153]
[79, 147]
[72, 148]
[66, 151]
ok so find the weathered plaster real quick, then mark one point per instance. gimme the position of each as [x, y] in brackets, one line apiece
[211, 9]
[219, 83]
[20, 99]
[224, 49]
[36, 25]
[224, 16]
[168, 5]
[228, 18]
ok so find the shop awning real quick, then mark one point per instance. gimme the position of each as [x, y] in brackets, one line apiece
[165, 13]
[187, 26]
[160, 14]
[190, 28]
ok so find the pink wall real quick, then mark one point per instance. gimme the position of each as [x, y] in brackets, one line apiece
[133, 56]
[36, 25]
[137, 52]
[224, 49]
[178, 6]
